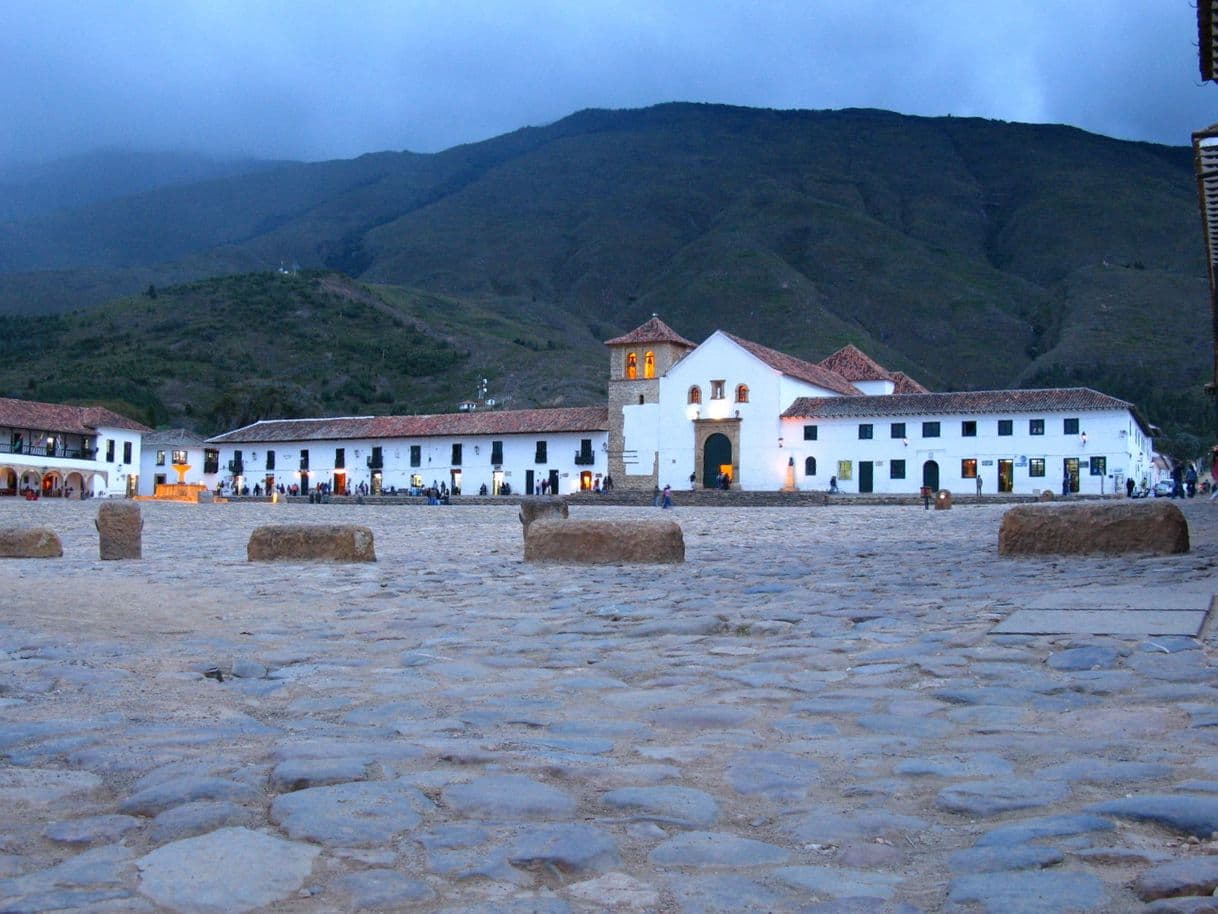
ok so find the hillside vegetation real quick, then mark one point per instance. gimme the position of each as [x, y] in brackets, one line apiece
[969, 253]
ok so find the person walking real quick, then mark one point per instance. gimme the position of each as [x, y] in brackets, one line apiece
[978, 485]
[666, 497]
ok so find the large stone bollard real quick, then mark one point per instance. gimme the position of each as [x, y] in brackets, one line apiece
[29, 543]
[943, 500]
[120, 530]
[311, 543]
[532, 509]
[604, 542]
[1111, 528]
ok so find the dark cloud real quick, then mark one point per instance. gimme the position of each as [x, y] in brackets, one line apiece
[321, 79]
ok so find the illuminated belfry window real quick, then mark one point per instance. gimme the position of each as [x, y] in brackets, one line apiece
[632, 366]
[695, 394]
[649, 365]
[742, 393]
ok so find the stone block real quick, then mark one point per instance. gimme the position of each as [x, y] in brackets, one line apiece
[1113, 528]
[532, 509]
[29, 543]
[943, 500]
[604, 542]
[1046, 495]
[311, 543]
[120, 528]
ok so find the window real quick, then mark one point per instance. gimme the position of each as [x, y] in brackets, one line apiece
[496, 452]
[896, 430]
[717, 390]
[632, 366]
[930, 429]
[968, 468]
[109, 450]
[126, 452]
[809, 433]
[968, 428]
[866, 429]
[160, 458]
[304, 458]
[179, 456]
[649, 365]
[1070, 426]
[456, 455]
[376, 461]
[539, 454]
[270, 459]
[695, 394]
[1006, 428]
[1099, 466]
[1036, 426]
[896, 469]
[1036, 466]
[211, 460]
[340, 458]
[416, 455]
[810, 466]
[742, 393]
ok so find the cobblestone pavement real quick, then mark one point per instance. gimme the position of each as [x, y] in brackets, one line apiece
[809, 715]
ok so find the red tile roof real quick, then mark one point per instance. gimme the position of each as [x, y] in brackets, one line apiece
[798, 368]
[449, 425]
[968, 403]
[855, 365]
[59, 417]
[907, 385]
[654, 331]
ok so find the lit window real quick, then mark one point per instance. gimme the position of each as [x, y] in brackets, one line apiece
[649, 365]
[695, 394]
[1036, 426]
[968, 468]
[1036, 466]
[179, 457]
[716, 390]
[632, 366]
[742, 393]
[1099, 466]
[160, 458]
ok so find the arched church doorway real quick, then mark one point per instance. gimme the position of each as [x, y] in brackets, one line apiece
[716, 459]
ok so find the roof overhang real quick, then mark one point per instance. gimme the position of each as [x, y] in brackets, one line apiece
[1207, 40]
[1205, 161]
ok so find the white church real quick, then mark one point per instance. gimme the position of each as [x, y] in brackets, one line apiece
[724, 412]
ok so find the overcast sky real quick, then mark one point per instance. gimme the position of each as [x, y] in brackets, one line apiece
[334, 79]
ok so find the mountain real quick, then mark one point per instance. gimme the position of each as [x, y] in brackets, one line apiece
[967, 253]
[29, 190]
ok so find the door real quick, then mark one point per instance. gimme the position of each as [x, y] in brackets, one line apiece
[1006, 476]
[553, 482]
[1069, 475]
[528, 482]
[716, 454]
[930, 475]
[866, 476]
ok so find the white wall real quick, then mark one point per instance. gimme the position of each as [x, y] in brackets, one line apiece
[435, 464]
[1112, 435]
[117, 470]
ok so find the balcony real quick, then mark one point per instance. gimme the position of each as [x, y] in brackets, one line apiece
[585, 458]
[376, 463]
[236, 467]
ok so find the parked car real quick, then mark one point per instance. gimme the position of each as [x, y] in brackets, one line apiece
[1163, 488]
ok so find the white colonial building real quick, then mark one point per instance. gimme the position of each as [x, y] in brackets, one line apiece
[57, 451]
[510, 449]
[730, 409]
